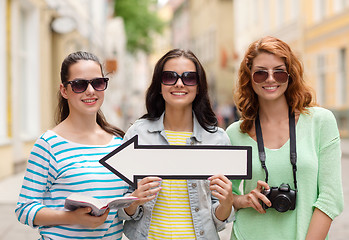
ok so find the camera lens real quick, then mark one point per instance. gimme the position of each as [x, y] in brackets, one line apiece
[282, 203]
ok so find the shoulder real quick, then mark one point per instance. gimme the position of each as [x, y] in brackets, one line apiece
[234, 128]
[320, 111]
[139, 127]
[220, 132]
[45, 143]
[49, 137]
[321, 115]
[323, 123]
[219, 137]
[139, 124]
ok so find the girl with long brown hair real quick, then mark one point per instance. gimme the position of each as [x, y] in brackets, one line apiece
[65, 160]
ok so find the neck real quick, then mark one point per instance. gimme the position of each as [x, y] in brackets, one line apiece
[84, 124]
[178, 120]
[273, 111]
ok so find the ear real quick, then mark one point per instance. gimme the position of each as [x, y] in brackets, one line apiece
[63, 91]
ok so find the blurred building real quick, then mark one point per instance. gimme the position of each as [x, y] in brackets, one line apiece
[205, 27]
[326, 47]
[35, 36]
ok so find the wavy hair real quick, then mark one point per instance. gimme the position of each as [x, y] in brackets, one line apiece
[298, 94]
[155, 103]
[63, 108]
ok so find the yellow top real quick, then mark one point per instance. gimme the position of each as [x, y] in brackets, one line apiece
[171, 216]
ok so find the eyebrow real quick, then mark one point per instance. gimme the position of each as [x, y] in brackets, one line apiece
[279, 66]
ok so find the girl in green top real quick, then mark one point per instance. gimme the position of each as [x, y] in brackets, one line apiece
[304, 198]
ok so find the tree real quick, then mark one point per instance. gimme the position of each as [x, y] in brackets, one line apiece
[140, 20]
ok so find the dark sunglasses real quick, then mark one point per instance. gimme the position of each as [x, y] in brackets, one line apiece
[262, 75]
[171, 78]
[80, 85]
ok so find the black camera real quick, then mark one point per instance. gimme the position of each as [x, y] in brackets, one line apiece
[282, 198]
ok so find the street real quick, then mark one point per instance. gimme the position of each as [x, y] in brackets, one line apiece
[11, 229]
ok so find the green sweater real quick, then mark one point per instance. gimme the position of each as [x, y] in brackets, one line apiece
[318, 178]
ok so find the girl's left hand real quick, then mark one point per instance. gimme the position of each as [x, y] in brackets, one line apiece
[221, 188]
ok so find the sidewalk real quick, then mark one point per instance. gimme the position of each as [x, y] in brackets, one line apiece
[345, 147]
[11, 229]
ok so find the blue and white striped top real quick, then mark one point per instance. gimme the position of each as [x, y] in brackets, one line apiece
[58, 167]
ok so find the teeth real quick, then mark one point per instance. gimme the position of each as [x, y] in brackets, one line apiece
[89, 101]
[178, 93]
[270, 88]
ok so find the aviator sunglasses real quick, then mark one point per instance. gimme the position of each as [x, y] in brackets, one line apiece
[261, 75]
[171, 78]
[80, 85]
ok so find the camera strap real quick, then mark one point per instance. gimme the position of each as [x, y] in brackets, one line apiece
[293, 151]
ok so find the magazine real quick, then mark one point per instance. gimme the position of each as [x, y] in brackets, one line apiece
[99, 206]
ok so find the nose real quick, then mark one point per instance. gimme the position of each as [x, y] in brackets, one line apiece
[270, 75]
[90, 90]
[179, 82]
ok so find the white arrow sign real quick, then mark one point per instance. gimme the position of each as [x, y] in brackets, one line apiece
[131, 161]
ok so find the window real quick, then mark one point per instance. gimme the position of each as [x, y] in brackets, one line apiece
[295, 11]
[321, 86]
[266, 16]
[280, 13]
[3, 74]
[340, 5]
[320, 10]
[26, 87]
[342, 77]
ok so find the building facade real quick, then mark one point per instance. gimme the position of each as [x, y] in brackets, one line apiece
[35, 36]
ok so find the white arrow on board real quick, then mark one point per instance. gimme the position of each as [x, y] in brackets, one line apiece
[131, 161]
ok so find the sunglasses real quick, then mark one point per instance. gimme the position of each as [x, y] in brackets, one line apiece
[80, 85]
[262, 75]
[171, 78]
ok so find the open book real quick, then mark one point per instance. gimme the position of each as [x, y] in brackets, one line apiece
[99, 206]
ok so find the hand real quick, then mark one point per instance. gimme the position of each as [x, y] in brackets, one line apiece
[253, 198]
[221, 188]
[146, 191]
[82, 217]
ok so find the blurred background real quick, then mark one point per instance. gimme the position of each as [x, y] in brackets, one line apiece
[129, 36]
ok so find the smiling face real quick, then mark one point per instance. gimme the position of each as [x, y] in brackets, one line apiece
[89, 101]
[179, 96]
[270, 89]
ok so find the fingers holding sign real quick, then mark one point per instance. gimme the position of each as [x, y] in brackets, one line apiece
[221, 188]
[146, 191]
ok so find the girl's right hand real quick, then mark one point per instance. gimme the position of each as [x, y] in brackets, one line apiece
[81, 216]
[253, 198]
[147, 189]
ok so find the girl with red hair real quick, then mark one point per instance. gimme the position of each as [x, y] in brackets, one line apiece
[295, 190]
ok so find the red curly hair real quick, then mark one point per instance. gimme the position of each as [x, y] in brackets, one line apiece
[298, 94]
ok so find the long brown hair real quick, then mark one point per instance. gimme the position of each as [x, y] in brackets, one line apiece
[298, 94]
[63, 107]
[155, 102]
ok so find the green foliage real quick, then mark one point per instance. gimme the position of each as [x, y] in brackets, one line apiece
[140, 20]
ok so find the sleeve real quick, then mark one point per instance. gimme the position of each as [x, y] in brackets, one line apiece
[220, 225]
[330, 197]
[136, 216]
[234, 127]
[39, 176]
[131, 132]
